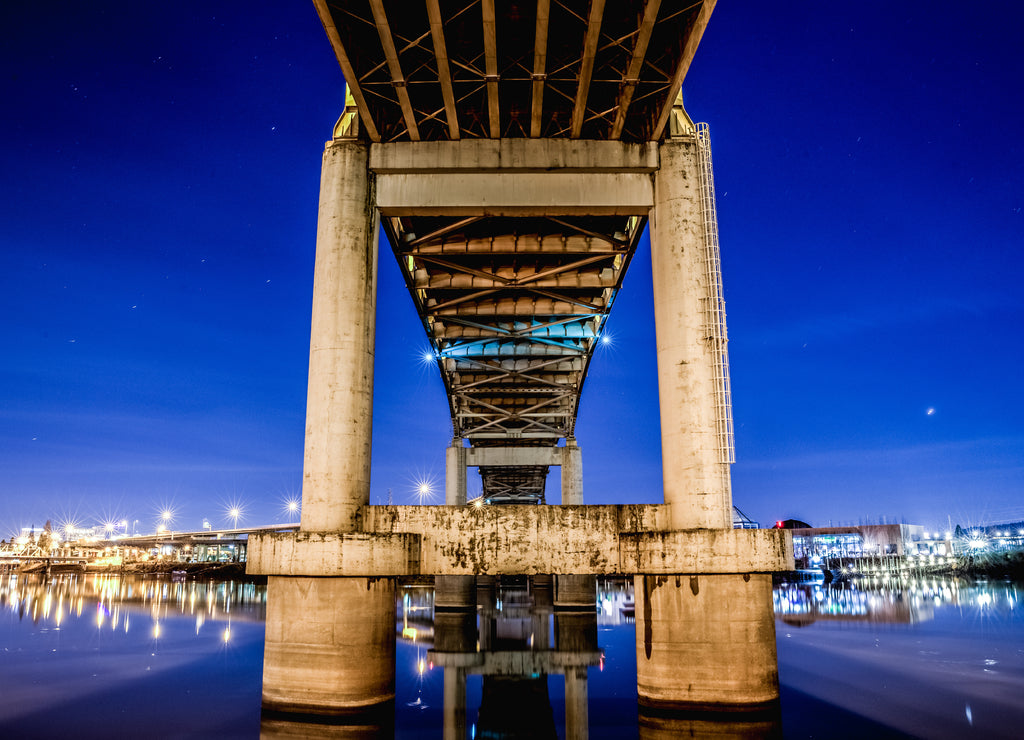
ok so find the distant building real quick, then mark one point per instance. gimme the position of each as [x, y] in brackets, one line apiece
[866, 540]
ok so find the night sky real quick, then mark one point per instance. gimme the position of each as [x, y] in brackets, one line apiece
[160, 170]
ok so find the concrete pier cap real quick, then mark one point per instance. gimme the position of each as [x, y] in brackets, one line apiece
[518, 540]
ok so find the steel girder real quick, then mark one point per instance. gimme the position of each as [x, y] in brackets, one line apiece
[513, 309]
[450, 69]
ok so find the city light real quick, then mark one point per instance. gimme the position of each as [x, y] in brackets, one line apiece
[291, 507]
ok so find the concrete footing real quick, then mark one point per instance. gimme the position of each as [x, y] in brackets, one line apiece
[330, 645]
[705, 641]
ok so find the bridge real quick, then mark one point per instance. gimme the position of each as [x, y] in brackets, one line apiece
[513, 154]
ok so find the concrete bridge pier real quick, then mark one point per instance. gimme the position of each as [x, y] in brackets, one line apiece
[330, 645]
[330, 641]
[703, 640]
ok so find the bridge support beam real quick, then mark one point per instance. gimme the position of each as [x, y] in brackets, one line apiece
[339, 405]
[696, 481]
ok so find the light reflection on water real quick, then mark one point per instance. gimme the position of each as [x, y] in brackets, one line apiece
[930, 658]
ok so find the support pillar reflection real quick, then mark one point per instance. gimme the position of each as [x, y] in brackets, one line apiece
[705, 641]
[577, 720]
[575, 592]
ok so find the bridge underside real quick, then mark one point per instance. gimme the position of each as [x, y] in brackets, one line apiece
[454, 69]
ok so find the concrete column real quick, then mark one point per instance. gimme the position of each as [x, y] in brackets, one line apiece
[454, 703]
[577, 720]
[705, 641]
[339, 404]
[330, 645]
[572, 474]
[696, 482]
[455, 474]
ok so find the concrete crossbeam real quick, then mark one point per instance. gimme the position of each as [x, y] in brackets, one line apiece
[513, 456]
[333, 554]
[515, 194]
[706, 551]
[524, 155]
[518, 540]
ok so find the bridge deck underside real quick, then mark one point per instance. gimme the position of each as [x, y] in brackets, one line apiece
[450, 69]
[514, 308]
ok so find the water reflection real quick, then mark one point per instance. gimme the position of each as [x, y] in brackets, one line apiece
[890, 601]
[506, 661]
[115, 603]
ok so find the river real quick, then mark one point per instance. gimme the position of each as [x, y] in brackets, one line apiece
[107, 656]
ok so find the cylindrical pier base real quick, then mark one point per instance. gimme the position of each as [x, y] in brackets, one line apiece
[705, 641]
[330, 645]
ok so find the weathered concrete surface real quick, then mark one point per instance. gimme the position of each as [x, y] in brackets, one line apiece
[493, 540]
[330, 645]
[705, 641]
[515, 194]
[511, 456]
[339, 405]
[696, 481]
[706, 551]
[529, 155]
[333, 554]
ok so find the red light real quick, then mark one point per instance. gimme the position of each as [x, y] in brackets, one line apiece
[778, 524]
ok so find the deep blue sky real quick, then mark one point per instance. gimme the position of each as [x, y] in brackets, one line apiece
[157, 222]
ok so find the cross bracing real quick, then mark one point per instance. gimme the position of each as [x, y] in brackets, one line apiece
[513, 309]
[453, 69]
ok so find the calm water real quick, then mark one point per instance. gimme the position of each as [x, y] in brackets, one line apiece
[132, 657]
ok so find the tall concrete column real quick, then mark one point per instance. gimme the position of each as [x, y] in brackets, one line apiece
[696, 482]
[455, 474]
[330, 645]
[705, 641]
[572, 474]
[339, 405]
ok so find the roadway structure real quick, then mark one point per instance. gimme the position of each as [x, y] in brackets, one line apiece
[512, 154]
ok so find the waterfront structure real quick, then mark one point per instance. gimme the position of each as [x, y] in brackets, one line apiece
[513, 182]
[813, 544]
